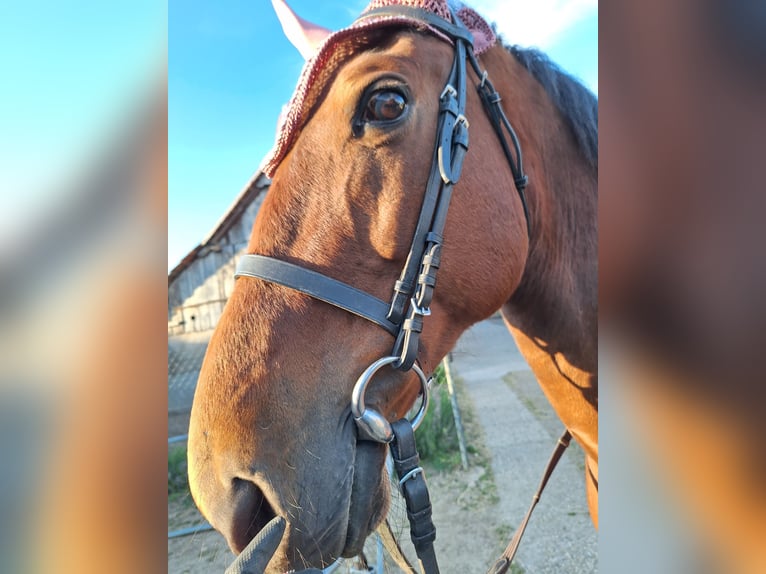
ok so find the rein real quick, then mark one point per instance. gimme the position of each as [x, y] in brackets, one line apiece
[413, 291]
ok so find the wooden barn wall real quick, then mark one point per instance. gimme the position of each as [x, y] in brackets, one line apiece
[197, 296]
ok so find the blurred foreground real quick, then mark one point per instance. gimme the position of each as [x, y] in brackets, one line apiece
[682, 280]
[82, 296]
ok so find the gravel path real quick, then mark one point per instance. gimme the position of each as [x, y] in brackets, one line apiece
[521, 430]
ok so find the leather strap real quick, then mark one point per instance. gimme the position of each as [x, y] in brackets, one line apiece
[490, 100]
[412, 483]
[318, 286]
[418, 279]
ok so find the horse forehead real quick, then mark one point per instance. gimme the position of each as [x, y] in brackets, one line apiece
[400, 50]
[408, 54]
[343, 44]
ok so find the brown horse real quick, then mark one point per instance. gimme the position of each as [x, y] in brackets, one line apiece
[272, 432]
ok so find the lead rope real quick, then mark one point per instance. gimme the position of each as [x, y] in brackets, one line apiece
[504, 562]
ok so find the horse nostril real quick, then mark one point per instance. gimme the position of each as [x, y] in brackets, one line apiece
[251, 513]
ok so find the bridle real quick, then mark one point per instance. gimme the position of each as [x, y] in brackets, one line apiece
[413, 291]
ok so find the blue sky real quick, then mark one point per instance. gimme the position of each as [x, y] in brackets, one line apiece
[230, 70]
[71, 71]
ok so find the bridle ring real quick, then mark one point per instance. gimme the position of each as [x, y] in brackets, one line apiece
[373, 425]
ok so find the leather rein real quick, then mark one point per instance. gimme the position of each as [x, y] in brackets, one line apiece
[403, 316]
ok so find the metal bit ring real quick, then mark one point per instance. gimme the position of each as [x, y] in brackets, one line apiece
[373, 425]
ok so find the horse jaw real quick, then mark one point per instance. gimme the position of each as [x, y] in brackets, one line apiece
[304, 35]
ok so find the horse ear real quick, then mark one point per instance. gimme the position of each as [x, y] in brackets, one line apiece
[304, 35]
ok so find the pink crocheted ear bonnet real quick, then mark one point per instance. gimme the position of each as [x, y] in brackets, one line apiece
[341, 45]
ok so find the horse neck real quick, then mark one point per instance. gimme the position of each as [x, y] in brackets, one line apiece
[556, 301]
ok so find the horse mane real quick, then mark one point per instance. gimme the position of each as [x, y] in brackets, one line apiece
[576, 103]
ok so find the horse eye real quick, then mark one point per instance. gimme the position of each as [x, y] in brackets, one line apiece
[385, 106]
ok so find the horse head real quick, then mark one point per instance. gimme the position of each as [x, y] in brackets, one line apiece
[272, 430]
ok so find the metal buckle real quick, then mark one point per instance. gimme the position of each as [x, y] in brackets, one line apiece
[463, 119]
[411, 474]
[448, 89]
[372, 424]
[423, 312]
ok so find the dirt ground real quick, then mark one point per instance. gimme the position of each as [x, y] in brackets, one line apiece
[470, 534]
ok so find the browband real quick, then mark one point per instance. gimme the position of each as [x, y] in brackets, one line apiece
[452, 30]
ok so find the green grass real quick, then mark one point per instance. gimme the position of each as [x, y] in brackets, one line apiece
[178, 479]
[437, 437]
[486, 485]
[504, 532]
